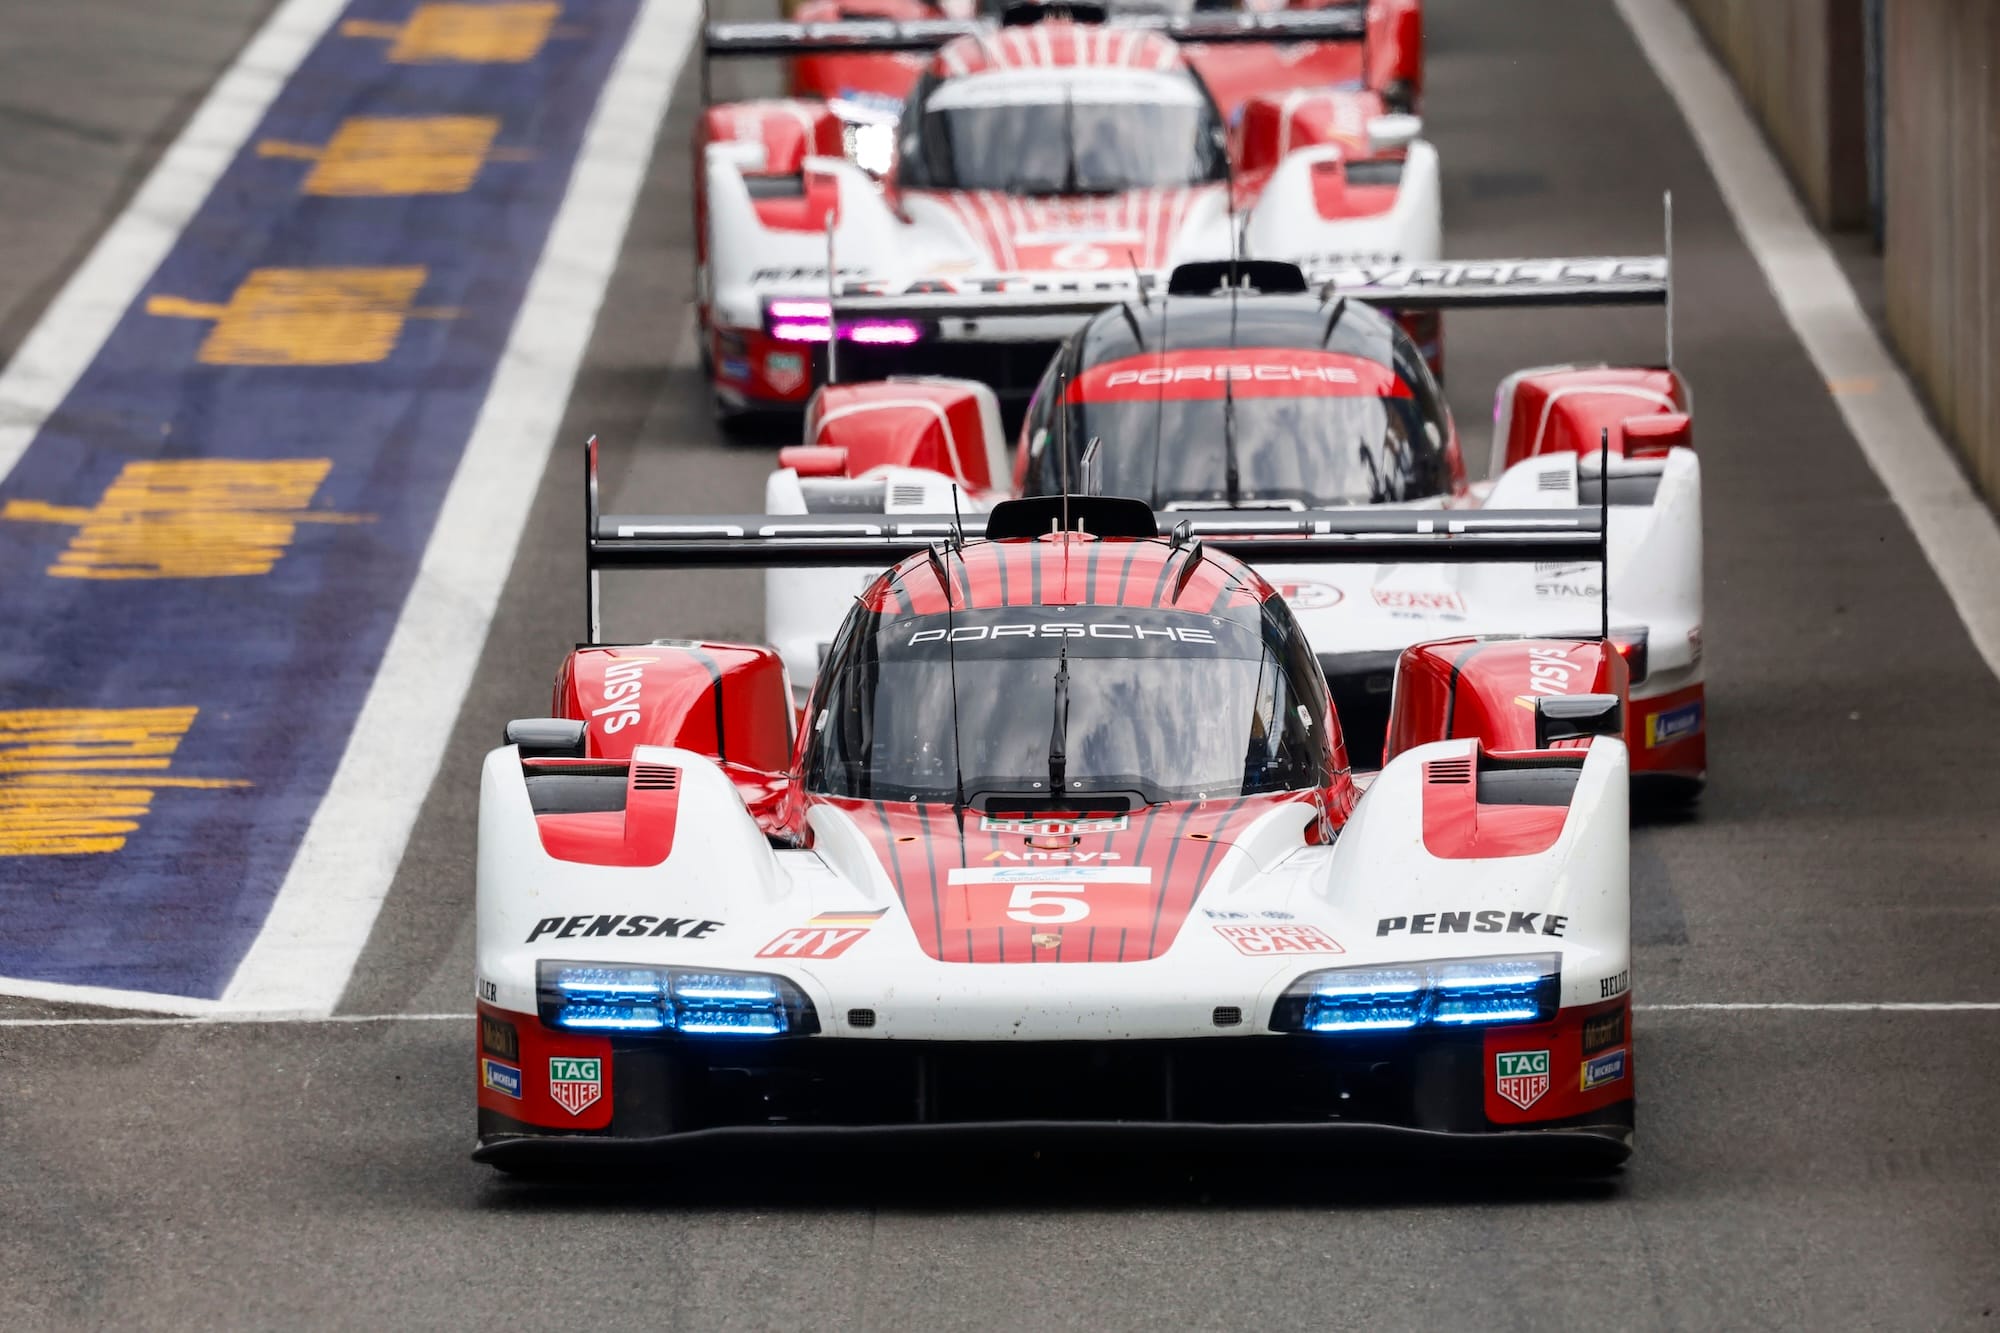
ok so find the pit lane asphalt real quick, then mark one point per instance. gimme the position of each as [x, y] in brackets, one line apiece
[1817, 1168]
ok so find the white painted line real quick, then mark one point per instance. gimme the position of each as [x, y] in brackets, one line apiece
[249, 1018]
[1832, 1007]
[1952, 524]
[328, 903]
[76, 324]
[230, 1020]
[105, 997]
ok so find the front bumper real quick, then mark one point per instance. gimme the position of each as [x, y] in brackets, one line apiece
[1355, 1094]
[1601, 1144]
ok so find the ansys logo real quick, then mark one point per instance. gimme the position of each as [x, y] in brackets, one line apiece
[1521, 1076]
[575, 1085]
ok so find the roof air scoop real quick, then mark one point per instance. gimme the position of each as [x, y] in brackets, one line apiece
[1099, 515]
[1205, 277]
[1035, 11]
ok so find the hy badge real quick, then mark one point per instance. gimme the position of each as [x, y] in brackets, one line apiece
[1522, 1077]
[575, 1084]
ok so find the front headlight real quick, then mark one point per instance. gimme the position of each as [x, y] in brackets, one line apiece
[1452, 992]
[592, 997]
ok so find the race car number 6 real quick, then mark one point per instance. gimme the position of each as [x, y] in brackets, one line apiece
[1033, 904]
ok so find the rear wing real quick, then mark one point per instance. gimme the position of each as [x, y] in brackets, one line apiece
[1346, 22]
[1477, 283]
[1371, 535]
[1502, 283]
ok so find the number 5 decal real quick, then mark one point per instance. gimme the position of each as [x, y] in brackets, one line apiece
[1047, 904]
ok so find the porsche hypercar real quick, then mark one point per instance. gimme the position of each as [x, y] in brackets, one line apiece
[1065, 841]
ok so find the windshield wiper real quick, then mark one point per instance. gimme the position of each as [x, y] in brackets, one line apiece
[1070, 182]
[1231, 478]
[1059, 731]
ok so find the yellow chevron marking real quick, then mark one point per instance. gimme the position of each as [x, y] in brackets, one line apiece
[476, 34]
[307, 316]
[188, 518]
[76, 781]
[383, 156]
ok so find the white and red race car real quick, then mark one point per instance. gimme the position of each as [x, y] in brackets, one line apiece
[1216, 402]
[1066, 845]
[1071, 160]
[1386, 55]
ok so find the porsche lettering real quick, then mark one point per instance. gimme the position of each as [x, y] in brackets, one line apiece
[1216, 374]
[1054, 629]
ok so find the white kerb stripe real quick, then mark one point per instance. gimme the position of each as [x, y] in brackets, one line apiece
[76, 324]
[328, 903]
[1953, 526]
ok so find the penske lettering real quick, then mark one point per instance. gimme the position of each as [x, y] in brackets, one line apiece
[630, 927]
[1474, 923]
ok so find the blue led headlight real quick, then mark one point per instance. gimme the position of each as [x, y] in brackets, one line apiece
[591, 997]
[1450, 992]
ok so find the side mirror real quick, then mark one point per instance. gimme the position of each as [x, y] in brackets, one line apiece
[1575, 716]
[546, 737]
[1393, 133]
[814, 460]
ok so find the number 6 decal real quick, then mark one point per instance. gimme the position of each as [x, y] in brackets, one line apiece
[1047, 904]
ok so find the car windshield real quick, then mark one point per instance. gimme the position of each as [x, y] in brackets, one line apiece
[1091, 131]
[1309, 431]
[887, 721]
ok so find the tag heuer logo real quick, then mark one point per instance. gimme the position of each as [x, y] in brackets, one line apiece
[575, 1085]
[1521, 1076]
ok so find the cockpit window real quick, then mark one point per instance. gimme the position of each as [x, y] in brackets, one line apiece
[1305, 430]
[916, 702]
[1063, 131]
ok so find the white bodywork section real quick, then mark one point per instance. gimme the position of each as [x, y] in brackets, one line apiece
[721, 869]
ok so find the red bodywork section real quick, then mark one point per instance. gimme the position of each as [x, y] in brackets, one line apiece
[1273, 125]
[1459, 826]
[1568, 410]
[534, 1045]
[1040, 234]
[945, 426]
[1486, 689]
[1579, 1041]
[723, 699]
[726, 700]
[999, 911]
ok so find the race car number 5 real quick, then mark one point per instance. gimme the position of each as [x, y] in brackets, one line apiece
[1047, 904]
